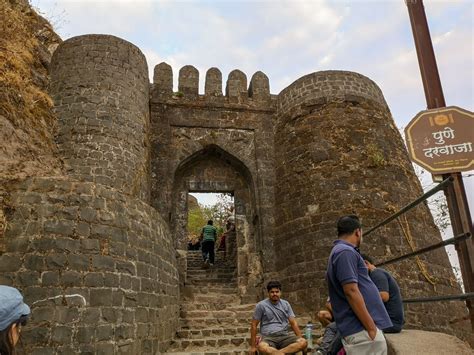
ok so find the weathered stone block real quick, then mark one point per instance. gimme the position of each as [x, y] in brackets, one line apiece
[83, 229]
[45, 314]
[109, 314]
[124, 331]
[56, 261]
[28, 278]
[91, 246]
[104, 349]
[9, 263]
[19, 244]
[94, 279]
[61, 227]
[103, 263]
[71, 278]
[67, 315]
[37, 335]
[67, 245]
[100, 297]
[61, 335]
[125, 266]
[104, 332]
[88, 214]
[125, 282]
[111, 280]
[91, 316]
[84, 335]
[42, 351]
[78, 262]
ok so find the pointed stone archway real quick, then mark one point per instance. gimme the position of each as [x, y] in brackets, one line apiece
[212, 169]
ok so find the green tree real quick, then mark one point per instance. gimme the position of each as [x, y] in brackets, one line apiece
[220, 211]
[199, 214]
[196, 220]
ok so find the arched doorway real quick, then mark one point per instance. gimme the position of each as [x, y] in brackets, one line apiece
[212, 169]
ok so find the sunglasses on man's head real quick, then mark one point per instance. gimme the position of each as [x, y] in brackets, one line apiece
[23, 320]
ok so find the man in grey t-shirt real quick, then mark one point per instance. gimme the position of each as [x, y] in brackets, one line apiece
[273, 314]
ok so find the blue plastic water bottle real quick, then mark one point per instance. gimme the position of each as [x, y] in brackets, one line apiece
[308, 334]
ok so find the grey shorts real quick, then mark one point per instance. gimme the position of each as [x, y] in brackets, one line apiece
[279, 341]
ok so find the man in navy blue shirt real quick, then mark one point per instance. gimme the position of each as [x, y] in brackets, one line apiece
[389, 292]
[358, 309]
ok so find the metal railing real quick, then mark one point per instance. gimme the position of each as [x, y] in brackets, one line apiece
[427, 249]
[415, 203]
[455, 240]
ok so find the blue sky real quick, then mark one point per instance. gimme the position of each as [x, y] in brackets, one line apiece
[288, 39]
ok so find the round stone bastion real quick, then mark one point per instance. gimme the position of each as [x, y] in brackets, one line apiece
[100, 88]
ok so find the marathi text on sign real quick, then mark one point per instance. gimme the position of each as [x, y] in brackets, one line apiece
[442, 140]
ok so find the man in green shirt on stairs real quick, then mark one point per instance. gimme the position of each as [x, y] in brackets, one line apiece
[209, 236]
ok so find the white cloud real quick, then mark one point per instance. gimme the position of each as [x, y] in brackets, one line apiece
[117, 17]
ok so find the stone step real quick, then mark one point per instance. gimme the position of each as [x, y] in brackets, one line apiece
[203, 267]
[202, 323]
[194, 254]
[212, 282]
[203, 275]
[212, 298]
[227, 289]
[210, 271]
[212, 332]
[215, 314]
[212, 278]
[217, 305]
[215, 268]
[235, 351]
[217, 261]
[207, 344]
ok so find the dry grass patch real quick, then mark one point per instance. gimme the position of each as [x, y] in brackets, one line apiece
[27, 121]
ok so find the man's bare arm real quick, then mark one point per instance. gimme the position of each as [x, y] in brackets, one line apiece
[295, 327]
[385, 296]
[253, 336]
[356, 301]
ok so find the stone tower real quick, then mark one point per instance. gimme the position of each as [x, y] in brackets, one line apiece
[98, 252]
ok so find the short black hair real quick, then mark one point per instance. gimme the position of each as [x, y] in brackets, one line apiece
[210, 222]
[273, 284]
[368, 258]
[347, 224]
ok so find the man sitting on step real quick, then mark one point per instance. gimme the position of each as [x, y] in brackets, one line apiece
[273, 314]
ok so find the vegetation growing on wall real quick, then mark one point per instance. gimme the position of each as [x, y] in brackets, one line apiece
[26, 118]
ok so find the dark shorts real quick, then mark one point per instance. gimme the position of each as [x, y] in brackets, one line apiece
[394, 329]
[279, 341]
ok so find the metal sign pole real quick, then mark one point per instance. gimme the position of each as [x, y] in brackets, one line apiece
[455, 193]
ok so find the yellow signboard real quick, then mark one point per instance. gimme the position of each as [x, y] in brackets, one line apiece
[442, 140]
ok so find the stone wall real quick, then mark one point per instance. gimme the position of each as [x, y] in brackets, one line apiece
[98, 269]
[100, 90]
[95, 250]
[338, 152]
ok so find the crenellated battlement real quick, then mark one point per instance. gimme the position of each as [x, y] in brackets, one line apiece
[236, 88]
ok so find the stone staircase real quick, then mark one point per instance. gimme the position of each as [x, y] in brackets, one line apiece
[212, 320]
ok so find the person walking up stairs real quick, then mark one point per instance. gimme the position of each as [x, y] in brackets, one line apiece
[209, 236]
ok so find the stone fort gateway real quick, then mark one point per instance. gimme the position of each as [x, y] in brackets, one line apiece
[100, 252]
